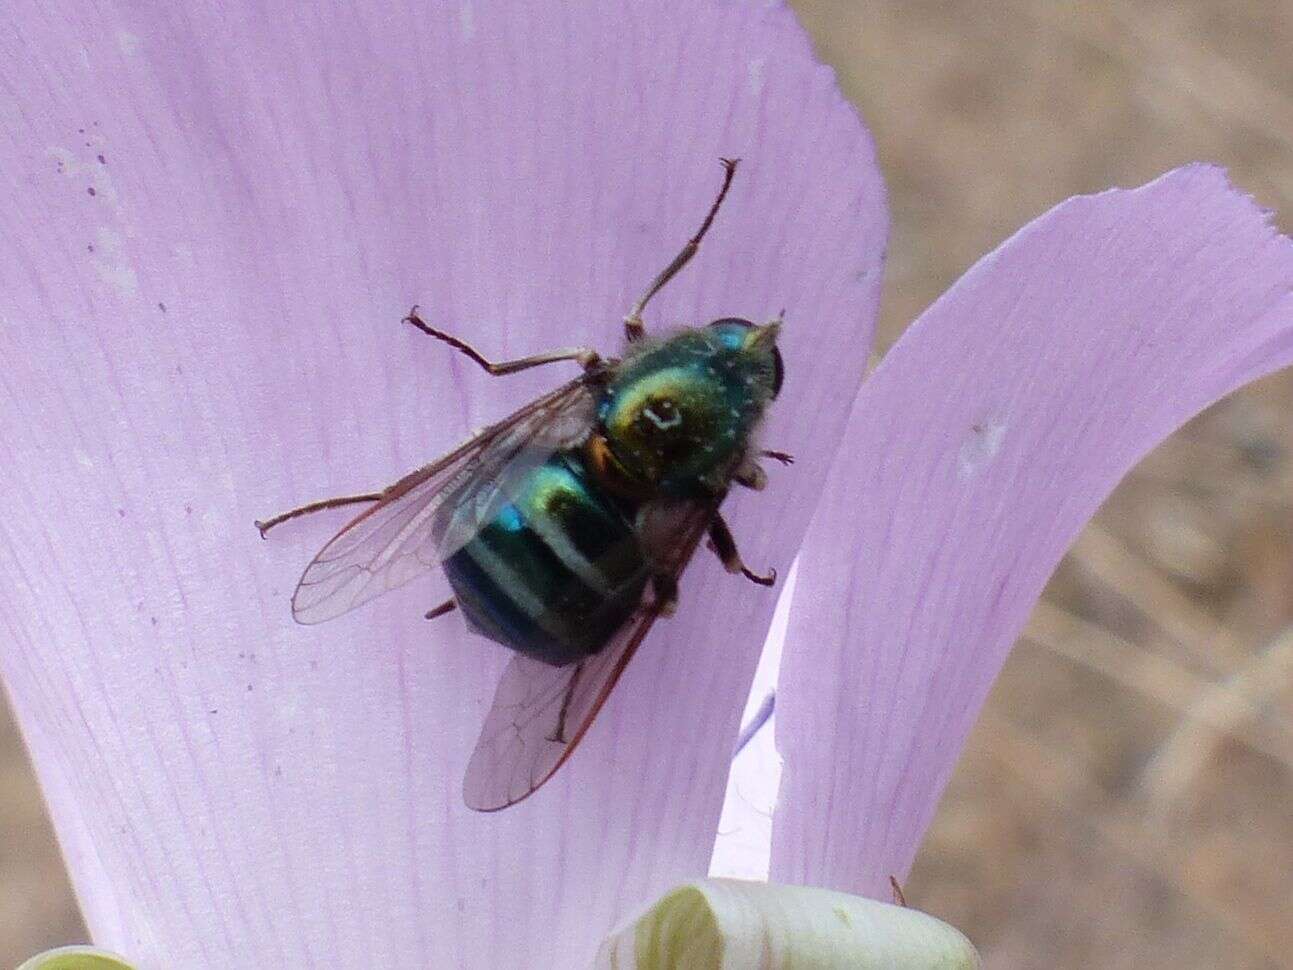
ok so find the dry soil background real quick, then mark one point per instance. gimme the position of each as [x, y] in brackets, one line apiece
[1125, 800]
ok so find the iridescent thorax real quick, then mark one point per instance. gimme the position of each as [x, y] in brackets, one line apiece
[677, 416]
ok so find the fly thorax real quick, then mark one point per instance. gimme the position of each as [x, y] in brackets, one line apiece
[677, 417]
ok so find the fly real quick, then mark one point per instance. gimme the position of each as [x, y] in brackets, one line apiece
[563, 529]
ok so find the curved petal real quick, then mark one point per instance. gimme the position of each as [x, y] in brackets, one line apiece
[219, 212]
[977, 450]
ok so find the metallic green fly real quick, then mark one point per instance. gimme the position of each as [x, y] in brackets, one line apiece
[564, 528]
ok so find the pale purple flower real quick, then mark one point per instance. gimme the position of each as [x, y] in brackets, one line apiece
[216, 214]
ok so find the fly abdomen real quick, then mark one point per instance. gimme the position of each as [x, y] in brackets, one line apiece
[552, 568]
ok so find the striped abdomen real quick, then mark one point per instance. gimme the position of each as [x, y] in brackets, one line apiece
[553, 568]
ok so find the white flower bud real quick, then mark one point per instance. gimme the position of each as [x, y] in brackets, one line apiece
[76, 958]
[727, 924]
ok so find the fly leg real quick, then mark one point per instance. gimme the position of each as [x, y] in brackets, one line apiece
[396, 489]
[588, 359]
[559, 736]
[750, 475]
[721, 541]
[665, 588]
[448, 606]
[264, 525]
[634, 329]
[895, 888]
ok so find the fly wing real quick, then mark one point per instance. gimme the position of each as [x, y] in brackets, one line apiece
[541, 713]
[396, 540]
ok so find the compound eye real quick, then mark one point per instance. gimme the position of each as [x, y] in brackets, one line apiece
[732, 332]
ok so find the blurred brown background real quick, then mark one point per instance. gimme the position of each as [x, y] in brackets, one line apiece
[1127, 798]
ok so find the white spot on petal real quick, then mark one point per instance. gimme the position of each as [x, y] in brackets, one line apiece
[185, 259]
[466, 20]
[128, 43]
[754, 71]
[980, 448]
[109, 262]
[90, 179]
[288, 711]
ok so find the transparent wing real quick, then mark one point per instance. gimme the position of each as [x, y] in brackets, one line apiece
[396, 540]
[541, 713]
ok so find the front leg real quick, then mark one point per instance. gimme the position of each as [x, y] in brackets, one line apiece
[752, 476]
[634, 328]
[721, 541]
